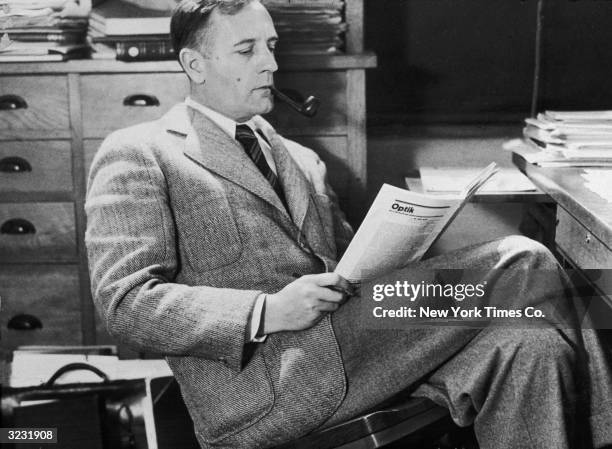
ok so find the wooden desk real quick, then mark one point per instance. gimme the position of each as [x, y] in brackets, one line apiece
[583, 222]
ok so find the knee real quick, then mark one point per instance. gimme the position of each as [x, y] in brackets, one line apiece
[527, 252]
[545, 349]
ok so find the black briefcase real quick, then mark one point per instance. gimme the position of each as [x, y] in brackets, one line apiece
[105, 415]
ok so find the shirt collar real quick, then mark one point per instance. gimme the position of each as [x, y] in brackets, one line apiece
[225, 123]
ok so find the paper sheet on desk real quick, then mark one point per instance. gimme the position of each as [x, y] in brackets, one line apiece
[449, 180]
[28, 368]
[599, 181]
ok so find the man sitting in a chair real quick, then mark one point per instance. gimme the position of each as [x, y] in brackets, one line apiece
[213, 240]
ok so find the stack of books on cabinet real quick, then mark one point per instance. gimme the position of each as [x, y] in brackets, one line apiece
[127, 31]
[42, 30]
[570, 138]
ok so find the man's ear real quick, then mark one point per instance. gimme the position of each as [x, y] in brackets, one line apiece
[193, 64]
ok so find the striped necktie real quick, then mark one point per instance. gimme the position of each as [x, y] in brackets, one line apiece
[248, 140]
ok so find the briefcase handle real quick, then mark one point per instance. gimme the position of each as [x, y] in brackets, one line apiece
[76, 367]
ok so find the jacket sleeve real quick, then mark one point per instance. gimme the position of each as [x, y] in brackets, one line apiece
[133, 263]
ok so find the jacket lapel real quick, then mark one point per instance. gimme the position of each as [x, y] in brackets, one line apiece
[208, 145]
[298, 190]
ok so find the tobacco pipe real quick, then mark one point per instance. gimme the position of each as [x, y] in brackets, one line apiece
[308, 108]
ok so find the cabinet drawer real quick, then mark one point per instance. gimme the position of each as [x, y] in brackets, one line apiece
[37, 231]
[328, 87]
[585, 250]
[35, 166]
[115, 101]
[40, 305]
[33, 103]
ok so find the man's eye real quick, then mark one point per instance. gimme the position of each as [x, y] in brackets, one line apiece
[272, 48]
[246, 51]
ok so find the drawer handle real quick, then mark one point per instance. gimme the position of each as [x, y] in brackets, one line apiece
[24, 322]
[12, 102]
[141, 100]
[14, 164]
[17, 226]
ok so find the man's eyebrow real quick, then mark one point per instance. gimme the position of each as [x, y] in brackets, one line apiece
[252, 41]
[244, 41]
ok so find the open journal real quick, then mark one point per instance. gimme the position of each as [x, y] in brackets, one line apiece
[400, 227]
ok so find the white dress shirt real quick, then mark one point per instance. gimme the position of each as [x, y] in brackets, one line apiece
[229, 126]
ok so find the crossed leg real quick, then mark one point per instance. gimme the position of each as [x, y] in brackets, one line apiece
[520, 387]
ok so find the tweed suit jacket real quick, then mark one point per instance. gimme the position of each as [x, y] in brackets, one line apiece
[183, 234]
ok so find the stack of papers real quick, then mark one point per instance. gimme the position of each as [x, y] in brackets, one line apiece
[575, 138]
[308, 26]
[42, 30]
[598, 181]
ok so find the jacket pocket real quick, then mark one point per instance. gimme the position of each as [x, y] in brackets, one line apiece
[210, 237]
[222, 402]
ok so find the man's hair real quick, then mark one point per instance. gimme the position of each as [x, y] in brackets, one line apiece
[189, 23]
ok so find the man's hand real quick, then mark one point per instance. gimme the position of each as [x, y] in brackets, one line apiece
[303, 303]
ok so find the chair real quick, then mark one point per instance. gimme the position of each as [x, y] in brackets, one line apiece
[419, 418]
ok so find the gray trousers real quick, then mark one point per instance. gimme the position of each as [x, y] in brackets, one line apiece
[544, 387]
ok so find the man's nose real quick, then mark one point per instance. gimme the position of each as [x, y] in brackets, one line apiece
[269, 62]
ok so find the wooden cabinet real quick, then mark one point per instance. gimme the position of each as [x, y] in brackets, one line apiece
[36, 166]
[30, 102]
[40, 305]
[53, 117]
[124, 99]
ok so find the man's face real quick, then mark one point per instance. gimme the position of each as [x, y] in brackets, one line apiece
[239, 63]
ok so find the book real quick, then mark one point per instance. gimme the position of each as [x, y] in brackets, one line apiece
[63, 37]
[400, 227]
[534, 153]
[118, 17]
[133, 50]
[144, 50]
[30, 52]
[113, 38]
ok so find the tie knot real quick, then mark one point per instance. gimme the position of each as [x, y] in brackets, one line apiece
[244, 132]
